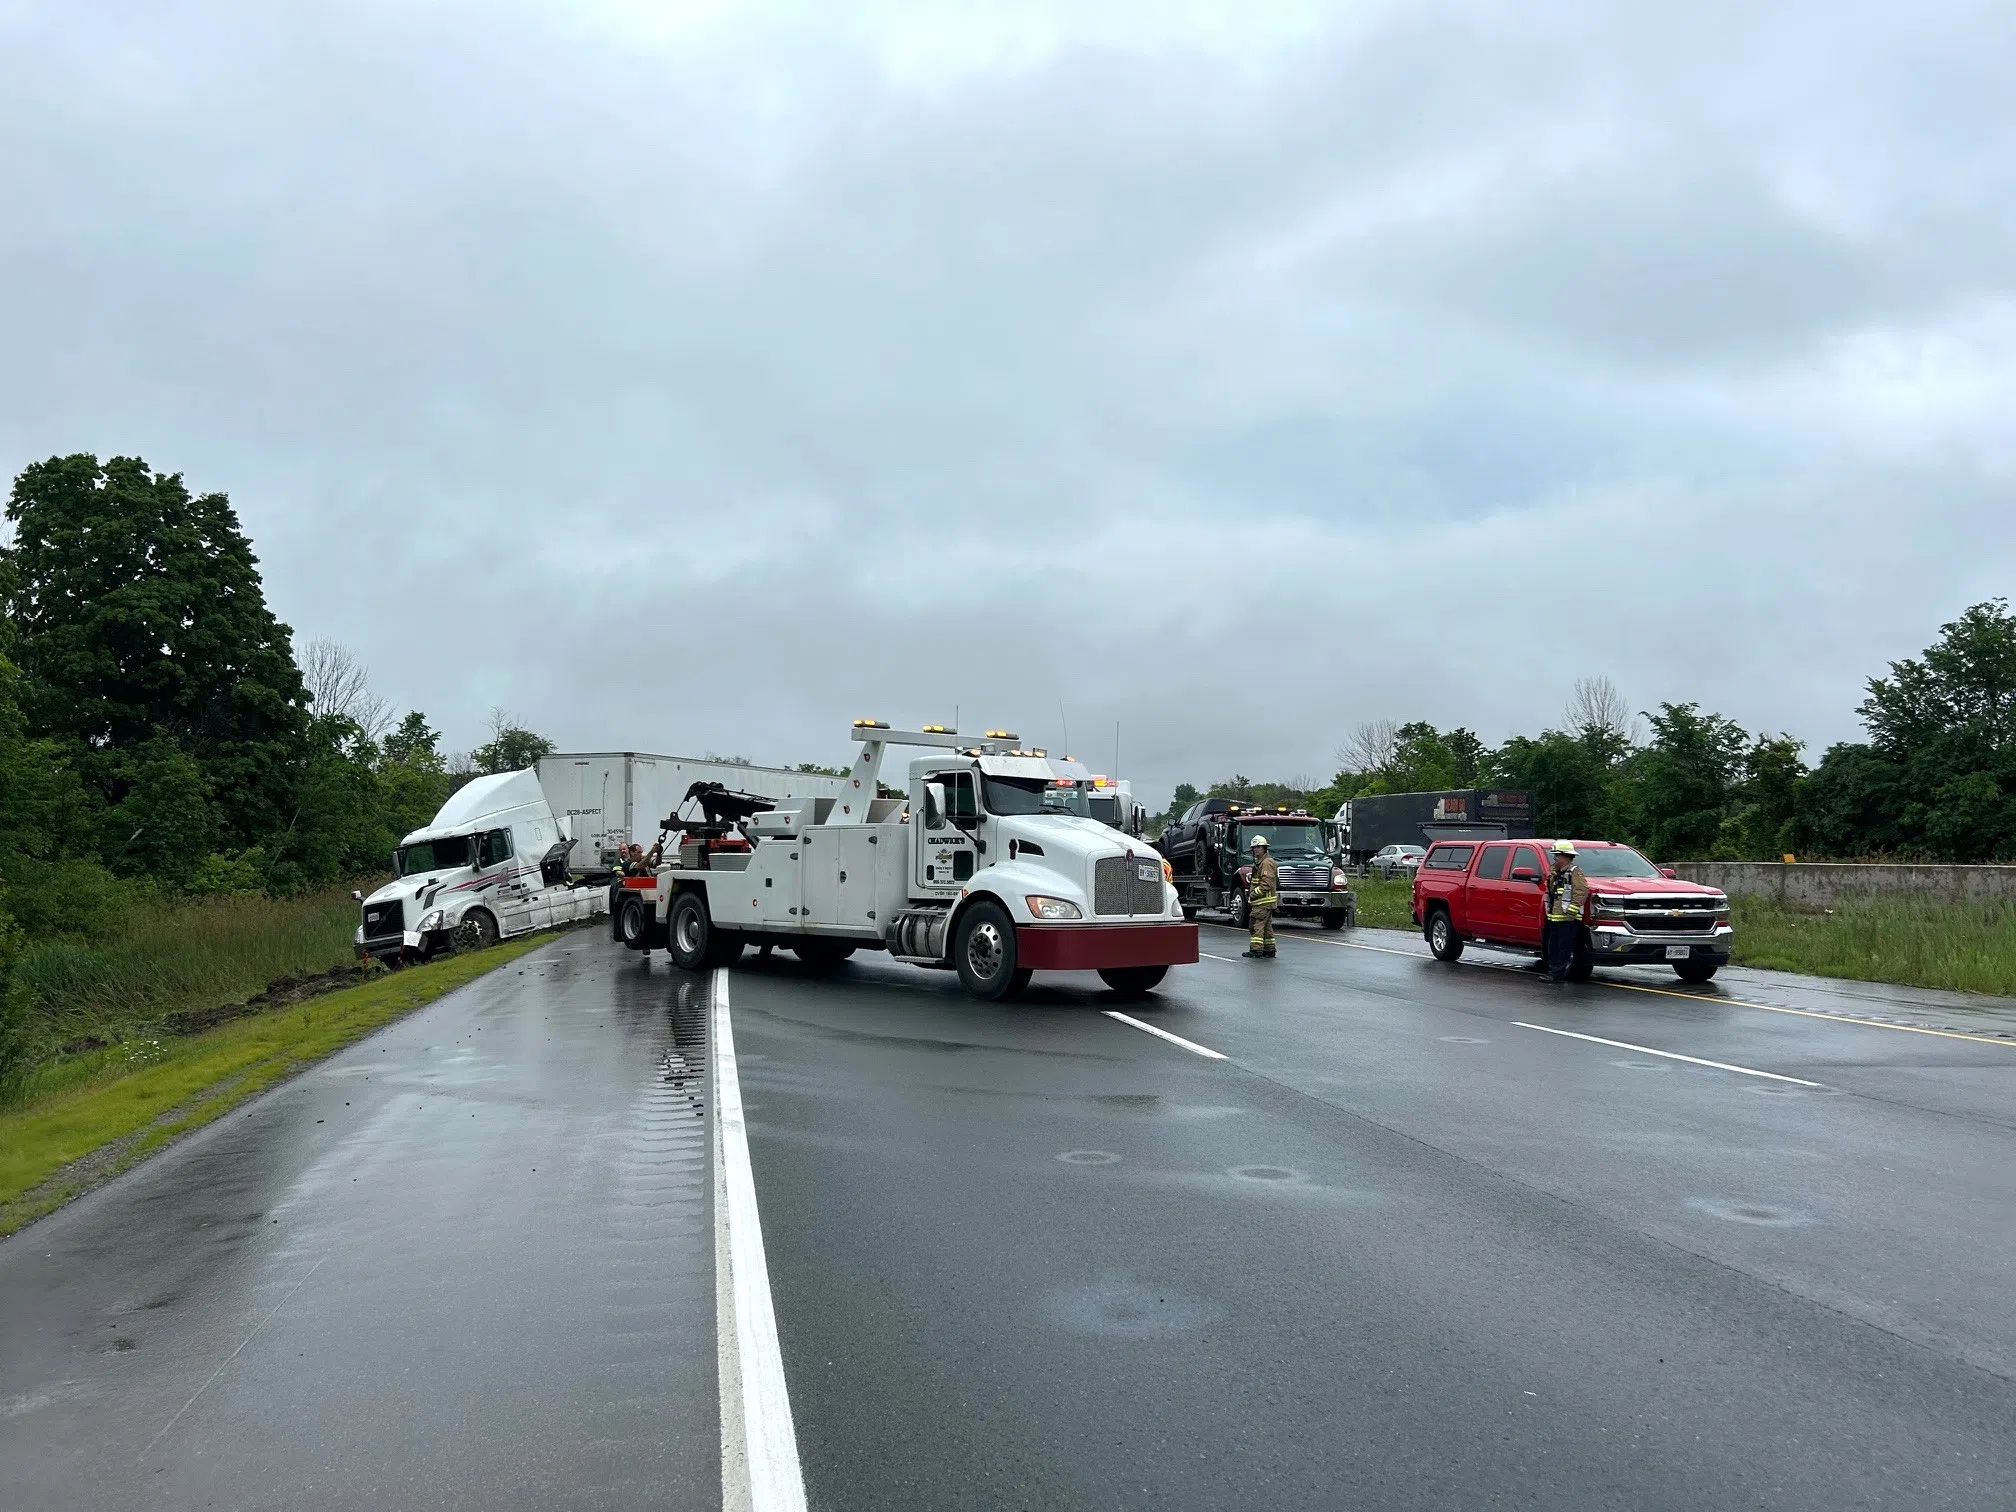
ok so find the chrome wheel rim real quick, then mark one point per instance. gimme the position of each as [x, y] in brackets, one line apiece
[985, 951]
[689, 932]
[1441, 932]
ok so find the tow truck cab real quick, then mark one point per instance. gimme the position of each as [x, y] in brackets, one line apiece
[972, 869]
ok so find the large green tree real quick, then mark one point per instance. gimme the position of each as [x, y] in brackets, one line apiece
[140, 618]
[1685, 782]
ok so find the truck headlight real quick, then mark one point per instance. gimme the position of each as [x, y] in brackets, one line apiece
[1337, 878]
[431, 921]
[1053, 908]
[1607, 906]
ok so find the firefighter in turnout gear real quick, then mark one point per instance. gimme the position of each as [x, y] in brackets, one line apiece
[1263, 895]
[1567, 892]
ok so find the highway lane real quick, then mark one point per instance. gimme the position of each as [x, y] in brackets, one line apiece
[1395, 1251]
[467, 1263]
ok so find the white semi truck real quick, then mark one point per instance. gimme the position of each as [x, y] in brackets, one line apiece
[492, 864]
[968, 869]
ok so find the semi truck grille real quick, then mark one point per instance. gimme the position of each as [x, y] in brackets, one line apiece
[382, 919]
[1127, 885]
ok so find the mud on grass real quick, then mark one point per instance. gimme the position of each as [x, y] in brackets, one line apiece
[57, 1146]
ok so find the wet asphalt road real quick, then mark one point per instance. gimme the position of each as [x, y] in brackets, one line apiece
[1396, 1250]
[467, 1263]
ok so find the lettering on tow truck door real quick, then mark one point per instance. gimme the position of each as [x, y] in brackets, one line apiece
[945, 855]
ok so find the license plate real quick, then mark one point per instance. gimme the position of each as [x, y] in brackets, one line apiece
[1147, 871]
[1679, 952]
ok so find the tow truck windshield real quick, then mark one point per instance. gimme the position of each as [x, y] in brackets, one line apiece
[1303, 839]
[435, 855]
[1614, 861]
[1016, 795]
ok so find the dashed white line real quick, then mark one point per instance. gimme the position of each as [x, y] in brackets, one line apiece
[775, 1481]
[1210, 957]
[1692, 1060]
[1174, 1039]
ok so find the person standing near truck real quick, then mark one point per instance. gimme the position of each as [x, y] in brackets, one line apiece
[1263, 893]
[1567, 892]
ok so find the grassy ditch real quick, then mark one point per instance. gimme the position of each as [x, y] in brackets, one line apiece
[1913, 941]
[146, 1092]
[1383, 904]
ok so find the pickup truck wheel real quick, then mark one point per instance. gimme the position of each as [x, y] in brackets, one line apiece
[692, 931]
[1442, 937]
[477, 931]
[985, 951]
[1695, 971]
[1133, 981]
[633, 924]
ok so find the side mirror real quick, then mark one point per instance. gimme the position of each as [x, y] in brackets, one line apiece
[1667, 871]
[356, 896]
[1524, 874]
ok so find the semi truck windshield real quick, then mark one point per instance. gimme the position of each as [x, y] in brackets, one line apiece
[434, 855]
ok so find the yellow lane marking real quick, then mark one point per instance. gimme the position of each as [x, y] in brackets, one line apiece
[1695, 997]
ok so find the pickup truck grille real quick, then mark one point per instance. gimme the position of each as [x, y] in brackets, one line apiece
[1119, 888]
[1670, 915]
[382, 919]
[1306, 878]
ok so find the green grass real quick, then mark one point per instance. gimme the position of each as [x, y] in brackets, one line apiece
[155, 1090]
[1383, 904]
[168, 957]
[1911, 940]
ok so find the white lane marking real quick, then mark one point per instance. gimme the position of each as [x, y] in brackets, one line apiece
[232, 1356]
[1210, 957]
[1174, 1039]
[776, 1481]
[1692, 1060]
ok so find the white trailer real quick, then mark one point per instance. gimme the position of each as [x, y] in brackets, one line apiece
[615, 798]
[969, 869]
[491, 864]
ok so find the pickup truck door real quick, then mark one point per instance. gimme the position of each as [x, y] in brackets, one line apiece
[1490, 900]
[1525, 902]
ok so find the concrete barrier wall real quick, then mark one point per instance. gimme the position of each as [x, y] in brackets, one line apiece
[1820, 884]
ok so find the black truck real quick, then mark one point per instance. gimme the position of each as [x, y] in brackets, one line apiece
[1210, 851]
[1368, 825]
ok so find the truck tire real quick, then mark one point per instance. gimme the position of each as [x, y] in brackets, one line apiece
[691, 931]
[633, 923]
[1443, 940]
[1236, 906]
[984, 951]
[1337, 918]
[1696, 971]
[1190, 913]
[1133, 981]
[1581, 965]
[476, 931]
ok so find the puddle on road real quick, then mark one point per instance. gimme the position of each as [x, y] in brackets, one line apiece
[1120, 1309]
[1763, 1214]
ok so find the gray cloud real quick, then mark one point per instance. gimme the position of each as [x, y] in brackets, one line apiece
[700, 385]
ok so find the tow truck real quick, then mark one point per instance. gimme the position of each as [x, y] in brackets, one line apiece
[1220, 865]
[967, 869]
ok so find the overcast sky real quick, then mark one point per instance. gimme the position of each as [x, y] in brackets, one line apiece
[699, 376]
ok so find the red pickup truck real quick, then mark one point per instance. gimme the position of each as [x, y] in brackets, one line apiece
[1494, 892]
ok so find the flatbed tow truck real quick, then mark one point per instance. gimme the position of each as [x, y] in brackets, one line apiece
[967, 870]
[1220, 864]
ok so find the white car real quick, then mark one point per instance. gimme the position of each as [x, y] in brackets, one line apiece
[1396, 861]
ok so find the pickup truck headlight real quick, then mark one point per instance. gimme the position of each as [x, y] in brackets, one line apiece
[1053, 908]
[1610, 907]
[431, 921]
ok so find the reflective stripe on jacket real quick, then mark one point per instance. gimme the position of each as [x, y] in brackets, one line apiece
[1566, 893]
[1264, 888]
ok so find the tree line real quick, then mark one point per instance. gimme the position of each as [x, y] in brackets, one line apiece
[1935, 779]
[158, 732]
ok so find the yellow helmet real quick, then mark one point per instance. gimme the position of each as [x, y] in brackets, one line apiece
[1564, 847]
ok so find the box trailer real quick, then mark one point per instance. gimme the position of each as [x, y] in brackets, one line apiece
[1369, 825]
[614, 798]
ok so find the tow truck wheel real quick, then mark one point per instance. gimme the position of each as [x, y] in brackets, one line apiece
[691, 931]
[985, 951]
[1133, 981]
[477, 931]
[633, 924]
[1442, 937]
[1337, 918]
